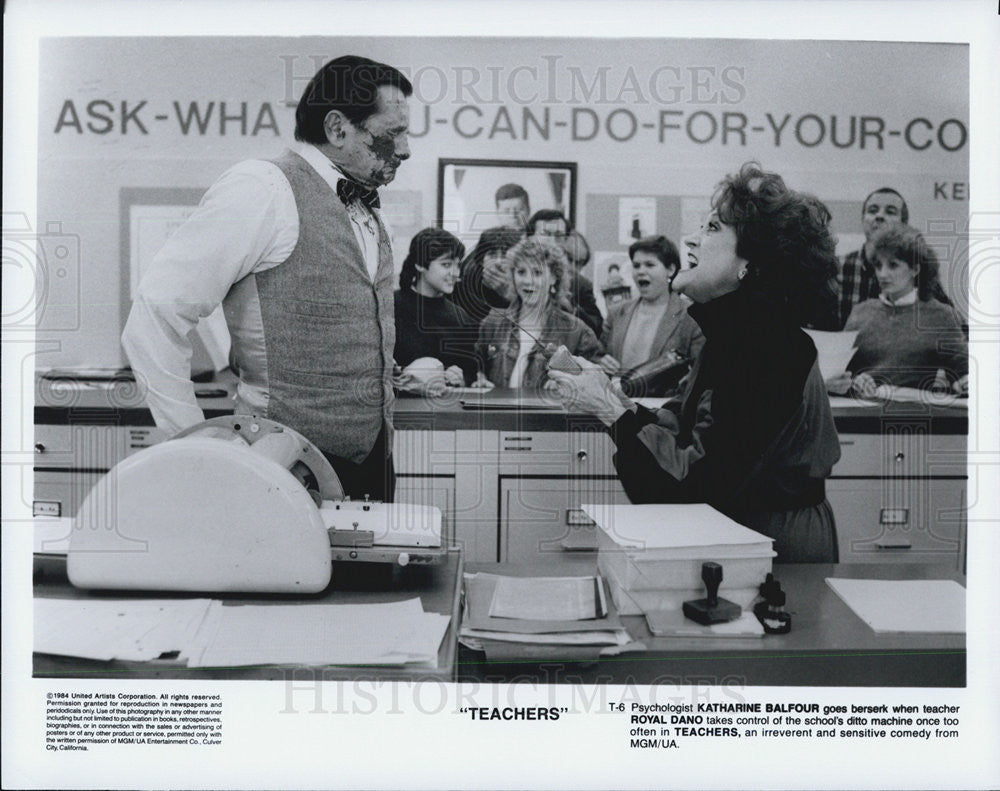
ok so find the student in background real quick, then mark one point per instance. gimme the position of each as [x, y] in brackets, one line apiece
[907, 336]
[581, 287]
[515, 344]
[753, 433]
[427, 324]
[485, 283]
[884, 208]
[657, 322]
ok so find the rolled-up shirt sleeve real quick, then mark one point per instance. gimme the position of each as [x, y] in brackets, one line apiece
[247, 222]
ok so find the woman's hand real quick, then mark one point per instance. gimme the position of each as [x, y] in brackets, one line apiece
[839, 384]
[961, 386]
[453, 376]
[589, 391]
[482, 383]
[609, 365]
[864, 386]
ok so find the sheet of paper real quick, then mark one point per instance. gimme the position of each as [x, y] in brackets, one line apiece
[670, 526]
[839, 402]
[320, 634]
[904, 605]
[916, 395]
[615, 637]
[834, 350]
[673, 623]
[548, 598]
[117, 629]
[479, 590]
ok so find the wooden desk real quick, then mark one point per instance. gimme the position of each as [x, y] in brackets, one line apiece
[438, 586]
[828, 645]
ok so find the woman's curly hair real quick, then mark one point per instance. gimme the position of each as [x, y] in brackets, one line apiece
[552, 257]
[785, 238]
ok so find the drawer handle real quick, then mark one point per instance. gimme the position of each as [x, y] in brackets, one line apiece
[581, 455]
[900, 456]
[39, 447]
[899, 543]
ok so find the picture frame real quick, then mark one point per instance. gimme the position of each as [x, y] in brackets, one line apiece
[467, 190]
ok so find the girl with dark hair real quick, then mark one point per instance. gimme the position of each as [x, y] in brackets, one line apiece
[486, 282]
[428, 326]
[752, 433]
[516, 344]
[910, 335]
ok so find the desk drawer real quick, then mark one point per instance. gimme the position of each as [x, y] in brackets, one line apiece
[572, 453]
[899, 521]
[90, 447]
[62, 493]
[424, 452]
[900, 454]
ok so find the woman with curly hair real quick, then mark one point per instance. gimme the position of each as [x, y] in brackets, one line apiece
[516, 344]
[752, 433]
[909, 336]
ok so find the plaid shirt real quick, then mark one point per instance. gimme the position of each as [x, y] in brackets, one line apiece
[856, 283]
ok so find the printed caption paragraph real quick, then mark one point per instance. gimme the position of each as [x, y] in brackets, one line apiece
[667, 725]
[80, 720]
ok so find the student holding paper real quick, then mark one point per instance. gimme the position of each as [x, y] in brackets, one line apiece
[752, 434]
[910, 335]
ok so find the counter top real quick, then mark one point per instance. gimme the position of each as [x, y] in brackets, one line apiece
[828, 645]
[123, 403]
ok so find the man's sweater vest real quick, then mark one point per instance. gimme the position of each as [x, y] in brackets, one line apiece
[329, 331]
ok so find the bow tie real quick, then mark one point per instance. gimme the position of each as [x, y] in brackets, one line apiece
[348, 191]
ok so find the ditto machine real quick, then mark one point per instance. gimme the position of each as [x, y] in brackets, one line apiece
[236, 504]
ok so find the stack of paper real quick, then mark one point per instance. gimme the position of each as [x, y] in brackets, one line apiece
[904, 605]
[651, 555]
[118, 629]
[207, 633]
[395, 633]
[540, 610]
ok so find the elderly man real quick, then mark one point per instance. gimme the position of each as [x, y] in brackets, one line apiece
[295, 251]
[884, 208]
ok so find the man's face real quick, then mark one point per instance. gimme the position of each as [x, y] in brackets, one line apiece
[883, 210]
[551, 230]
[375, 148]
[576, 249]
[513, 212]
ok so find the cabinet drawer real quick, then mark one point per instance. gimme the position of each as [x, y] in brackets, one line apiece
[90, 447]
[911, 521]
[62, 493]
[541, 517]
[424, 452]
[900, 454]
[571, 453]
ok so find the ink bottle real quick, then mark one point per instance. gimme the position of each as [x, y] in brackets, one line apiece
[771, 611]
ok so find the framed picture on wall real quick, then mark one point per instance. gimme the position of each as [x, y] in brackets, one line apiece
[476, 194]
